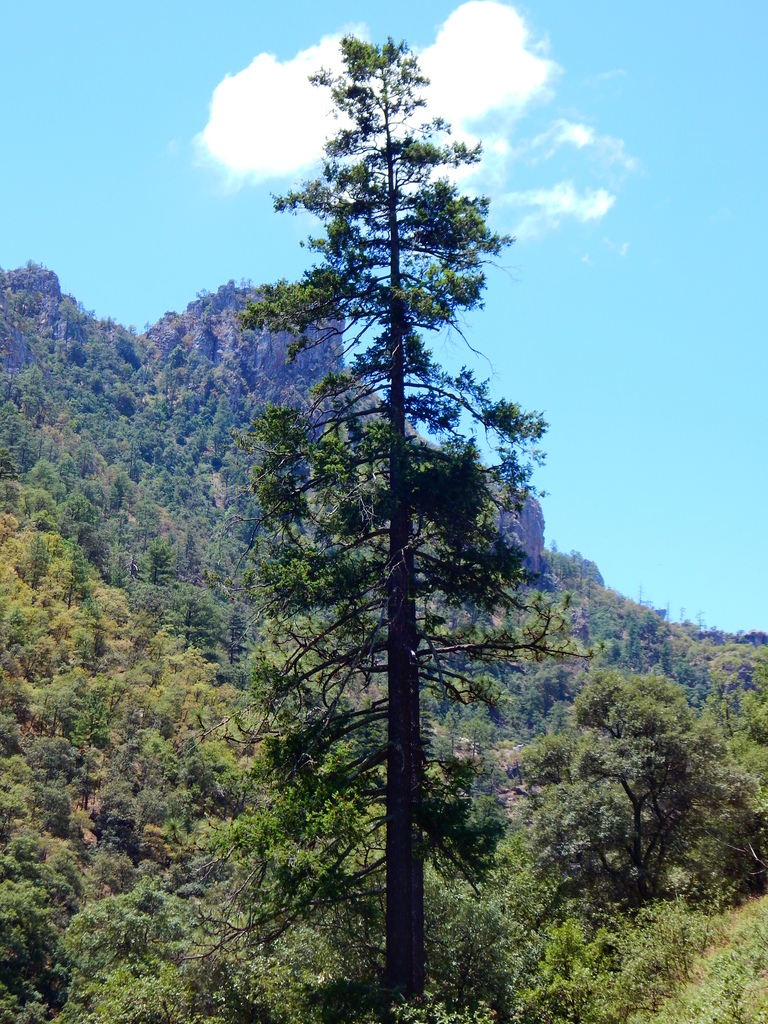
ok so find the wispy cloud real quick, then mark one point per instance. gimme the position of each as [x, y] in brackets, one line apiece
[562, 133]
[606, 76]
[548, 206]
[622, 248]
[609, 151]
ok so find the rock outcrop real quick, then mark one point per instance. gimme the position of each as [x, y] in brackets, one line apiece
[526, 529]
[37, 281]
[39, 293]
[210, 325]
[755, 637]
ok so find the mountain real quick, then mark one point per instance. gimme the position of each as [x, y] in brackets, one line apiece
[122, 446]
[125, 641]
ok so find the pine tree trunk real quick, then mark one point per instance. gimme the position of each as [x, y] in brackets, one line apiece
[399, 843]
[417, 763]
[417, 862]
[399, 767]
[399, 777]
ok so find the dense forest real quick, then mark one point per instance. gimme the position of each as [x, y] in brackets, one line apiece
[127, 648]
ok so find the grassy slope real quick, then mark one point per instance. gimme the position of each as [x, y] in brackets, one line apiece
[730, 980]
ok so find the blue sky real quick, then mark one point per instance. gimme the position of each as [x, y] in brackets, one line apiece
[627, 149]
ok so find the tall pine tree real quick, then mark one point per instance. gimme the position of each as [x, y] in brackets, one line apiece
[379, 566]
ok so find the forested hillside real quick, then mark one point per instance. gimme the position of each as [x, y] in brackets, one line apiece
[127, 646]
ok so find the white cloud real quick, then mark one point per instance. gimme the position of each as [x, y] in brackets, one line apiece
[613, 151]
[547, 207]
[268, 121]
[622, 249]
[606, 76]
[487, 73]
[484, 62]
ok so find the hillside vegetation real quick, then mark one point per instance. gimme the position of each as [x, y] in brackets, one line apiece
[729, 981]
[126, 652]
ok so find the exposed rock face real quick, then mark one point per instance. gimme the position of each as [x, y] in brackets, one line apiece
[14, 349]
[36, 280]
[41, 299]
[33, 293]
[210, 326]
[756, 637]
[252, 366]
[526, 529]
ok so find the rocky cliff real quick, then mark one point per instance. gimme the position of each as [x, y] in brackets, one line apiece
[526, 529]
[210, 326]
[249, 364]
[29, 292]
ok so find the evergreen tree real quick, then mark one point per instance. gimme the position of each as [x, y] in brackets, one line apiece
[76, 576]
[38, 560]
[7, 468]
[380, 569]
[159, 562]
[236, 631]
[222, 423]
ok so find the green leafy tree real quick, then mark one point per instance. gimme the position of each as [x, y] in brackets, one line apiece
[626, 793]
[121, 946]
[485, 942]
[236, 632]
[80, 520]
[33, 966]
[374, 546]
[120, 491]
[568, 979]
[32, 394]
[148, 518]
[220, 429]
[753, 716]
